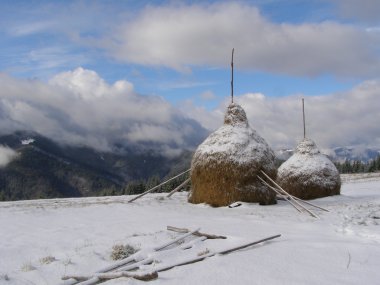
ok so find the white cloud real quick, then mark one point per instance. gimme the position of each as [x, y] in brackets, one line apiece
[207, 95]
[341, 119]
[6, 155]
[364, 10]
[181, 36]
[79, 107]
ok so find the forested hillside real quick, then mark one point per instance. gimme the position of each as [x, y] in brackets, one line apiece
[45, 169]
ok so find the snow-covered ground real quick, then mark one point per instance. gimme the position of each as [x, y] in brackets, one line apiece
[43, 240]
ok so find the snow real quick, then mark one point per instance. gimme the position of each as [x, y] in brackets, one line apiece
[235, 141]
[342, 247]
[310, 163]
[27, 141]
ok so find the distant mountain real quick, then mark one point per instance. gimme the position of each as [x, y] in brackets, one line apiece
[339, 154]
[46, 169]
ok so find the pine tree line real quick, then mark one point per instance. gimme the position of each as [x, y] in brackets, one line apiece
[359, 166]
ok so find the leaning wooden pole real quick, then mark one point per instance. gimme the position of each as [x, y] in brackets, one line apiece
[294, 200]
[279, 193]
[179, 187]
[232, 76]
[155, 187]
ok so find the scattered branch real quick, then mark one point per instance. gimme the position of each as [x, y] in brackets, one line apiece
[197, 233]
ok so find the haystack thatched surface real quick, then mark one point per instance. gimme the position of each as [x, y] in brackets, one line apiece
[308, 174]
[225, 166]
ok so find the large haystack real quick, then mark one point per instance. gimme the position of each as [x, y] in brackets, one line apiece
[308, 174]
[225, 166]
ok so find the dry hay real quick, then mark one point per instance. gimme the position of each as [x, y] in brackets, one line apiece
[308, 174]
[225, 166]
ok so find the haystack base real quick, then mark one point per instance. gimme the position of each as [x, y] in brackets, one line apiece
[223, 184]
[308, 191]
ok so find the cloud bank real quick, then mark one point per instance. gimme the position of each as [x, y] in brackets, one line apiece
[341, 119]
[6, 155]
[363, 10]
[181, 36]
[79, 107]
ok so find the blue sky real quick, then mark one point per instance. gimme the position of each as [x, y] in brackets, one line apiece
[35, 44]
[180, 50]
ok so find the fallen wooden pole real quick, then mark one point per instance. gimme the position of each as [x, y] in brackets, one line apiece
[200, 258]
[179, 187]
[155, 187]
[106, 276]
[197, 233]
[124, 263]
[284, 192]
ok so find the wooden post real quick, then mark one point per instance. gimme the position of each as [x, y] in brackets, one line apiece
[303, 114]
[232, 76]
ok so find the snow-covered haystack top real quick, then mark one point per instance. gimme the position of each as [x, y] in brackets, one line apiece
[224, 167]
[308, 174]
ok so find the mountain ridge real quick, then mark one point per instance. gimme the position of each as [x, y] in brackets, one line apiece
[45, 169]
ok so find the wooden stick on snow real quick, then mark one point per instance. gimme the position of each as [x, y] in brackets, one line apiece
[106, 276]
[199, 258]
[87, 279]
[197, 233]
[155, 187]
[179, 187]
[124, 263]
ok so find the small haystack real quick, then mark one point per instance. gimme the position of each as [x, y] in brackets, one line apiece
[308, 174]
[224, 167]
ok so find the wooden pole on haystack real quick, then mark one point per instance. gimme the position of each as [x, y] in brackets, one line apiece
[303, 113]
[232, 76]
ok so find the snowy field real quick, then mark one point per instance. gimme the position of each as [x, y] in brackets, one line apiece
[43, 240]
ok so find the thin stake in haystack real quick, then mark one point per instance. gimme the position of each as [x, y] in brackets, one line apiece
[303, 116]
[294, 201]
[308, 173]
[232, 76]
[224, 166]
